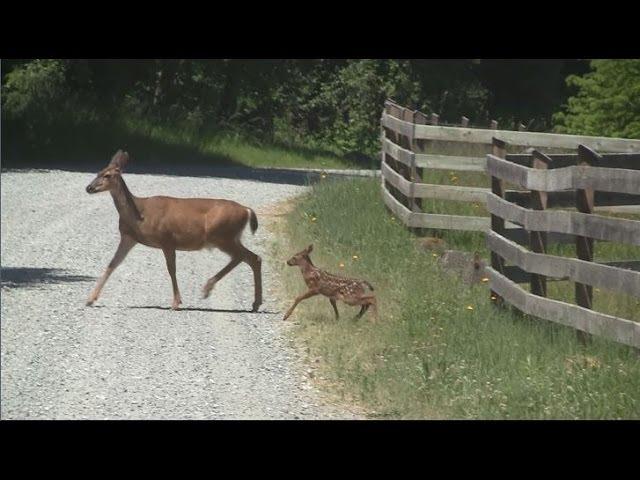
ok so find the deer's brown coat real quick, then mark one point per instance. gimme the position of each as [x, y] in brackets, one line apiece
[176, 224]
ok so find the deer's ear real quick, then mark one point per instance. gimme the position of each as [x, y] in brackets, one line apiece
[309, 248]
[120, 159]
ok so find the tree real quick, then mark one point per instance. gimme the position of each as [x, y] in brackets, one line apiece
[607, 102]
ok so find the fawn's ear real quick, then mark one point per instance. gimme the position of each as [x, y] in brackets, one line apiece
[309, 248]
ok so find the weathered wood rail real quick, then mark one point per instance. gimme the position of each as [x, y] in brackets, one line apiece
[406, 135]
[527, 215]
[583, 177]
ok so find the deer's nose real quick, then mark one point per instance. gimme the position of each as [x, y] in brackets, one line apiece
[89, 189]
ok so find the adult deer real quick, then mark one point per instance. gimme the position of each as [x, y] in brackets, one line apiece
[176, 224]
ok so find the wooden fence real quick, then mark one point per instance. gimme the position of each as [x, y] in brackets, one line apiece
[406, 138]
[558, 181]
[586, 181]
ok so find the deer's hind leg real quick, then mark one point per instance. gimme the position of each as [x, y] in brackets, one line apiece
[239, 253]
[255, 262]
[235, 261]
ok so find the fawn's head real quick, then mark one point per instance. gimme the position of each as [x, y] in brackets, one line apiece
[300, 257]
[107, 177]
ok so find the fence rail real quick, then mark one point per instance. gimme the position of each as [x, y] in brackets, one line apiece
[406, 137]
[586, 227]
[588, 182]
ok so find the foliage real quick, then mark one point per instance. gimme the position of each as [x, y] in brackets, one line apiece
[607, 101]
[328, 104]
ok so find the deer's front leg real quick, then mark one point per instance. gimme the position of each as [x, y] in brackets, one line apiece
[126, 244]
[170, 257]
[304, 296]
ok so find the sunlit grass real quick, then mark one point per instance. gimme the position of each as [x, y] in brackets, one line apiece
[441, 349]
[240, 149]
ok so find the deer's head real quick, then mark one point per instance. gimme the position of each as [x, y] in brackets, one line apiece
[300, 257]
[107, 178]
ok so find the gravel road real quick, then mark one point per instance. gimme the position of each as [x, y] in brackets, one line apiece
[130, 356]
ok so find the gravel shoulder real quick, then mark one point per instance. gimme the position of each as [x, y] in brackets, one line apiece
[130, 356]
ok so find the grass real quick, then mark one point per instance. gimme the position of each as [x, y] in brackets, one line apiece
[241, 150]
[440, 350]
[605, 301]
[79, 143]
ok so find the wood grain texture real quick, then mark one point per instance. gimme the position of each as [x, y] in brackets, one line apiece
[572, 223]
[608, 326]
[523, 139]
[618, 180]
[432, 220]
[596, 274]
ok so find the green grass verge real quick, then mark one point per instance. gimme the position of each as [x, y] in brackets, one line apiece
[149, 142]
[240, 150]
[440, 350]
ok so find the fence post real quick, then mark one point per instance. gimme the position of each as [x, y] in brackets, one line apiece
[435, 118]
[497, 223]
[521, 127]
[394, 110]
[418, 146]
[493, 125]
[464, 121]
[538, 240]
[584, 245]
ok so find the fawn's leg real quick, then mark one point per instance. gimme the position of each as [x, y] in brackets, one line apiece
[126, 244]
[170, 257]
[363, 309]
[304, 296]
[335, 307]
[366, 302]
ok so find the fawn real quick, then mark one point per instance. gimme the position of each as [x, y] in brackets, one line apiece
[348, 290]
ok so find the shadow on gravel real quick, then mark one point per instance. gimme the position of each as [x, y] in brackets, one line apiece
[17, 277]
[214, 310]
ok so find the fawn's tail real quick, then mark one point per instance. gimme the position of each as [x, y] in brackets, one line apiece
[368, 285]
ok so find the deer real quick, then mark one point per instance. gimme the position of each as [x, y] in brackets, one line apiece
[320, 282]
[170, 224]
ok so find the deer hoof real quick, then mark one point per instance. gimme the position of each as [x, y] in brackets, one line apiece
[206, 291]
[90, 302]
[255, 306]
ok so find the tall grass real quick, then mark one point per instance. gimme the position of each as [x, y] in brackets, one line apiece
[441, 350]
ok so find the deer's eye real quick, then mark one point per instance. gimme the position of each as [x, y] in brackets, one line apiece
[107, 175]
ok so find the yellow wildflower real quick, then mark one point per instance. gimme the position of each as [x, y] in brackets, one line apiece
[469, 307]
[355, 257]
[313, 219]
[341, 265]
[485, 279]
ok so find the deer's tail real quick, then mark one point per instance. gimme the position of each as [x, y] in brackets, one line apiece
[253, 220]
[368, 285]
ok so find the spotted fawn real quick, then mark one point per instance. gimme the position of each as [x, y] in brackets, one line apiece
[319, 282]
